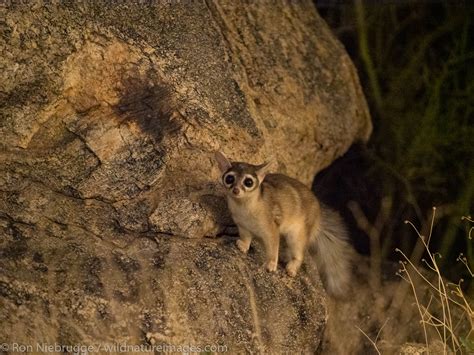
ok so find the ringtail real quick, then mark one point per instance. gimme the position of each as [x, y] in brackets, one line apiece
[270, 206]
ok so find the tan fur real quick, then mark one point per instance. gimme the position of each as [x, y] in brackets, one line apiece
[277, 205]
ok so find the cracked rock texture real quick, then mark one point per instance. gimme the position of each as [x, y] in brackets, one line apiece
[109, 117]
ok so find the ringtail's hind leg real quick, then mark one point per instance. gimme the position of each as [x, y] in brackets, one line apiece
[297, 240]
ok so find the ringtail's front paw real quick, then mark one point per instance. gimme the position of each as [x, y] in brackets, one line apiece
[292, 267]
[271, 266]
[243, 247]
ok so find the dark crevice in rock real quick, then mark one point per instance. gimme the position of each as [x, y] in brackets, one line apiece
[68, 194]
[81, 138]
[11, 219]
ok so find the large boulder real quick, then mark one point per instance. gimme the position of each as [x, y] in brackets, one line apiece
[110, 116]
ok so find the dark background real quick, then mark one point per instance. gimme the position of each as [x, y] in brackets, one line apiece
[416, 64]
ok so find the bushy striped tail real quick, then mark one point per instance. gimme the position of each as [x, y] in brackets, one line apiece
[334, 254]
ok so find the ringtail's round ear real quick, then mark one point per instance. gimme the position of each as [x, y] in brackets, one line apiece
[264, 169]
[223, 163]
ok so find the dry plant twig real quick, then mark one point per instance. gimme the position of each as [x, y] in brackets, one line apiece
[374, 342]
[446, 295]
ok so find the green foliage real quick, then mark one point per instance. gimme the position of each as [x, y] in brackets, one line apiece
[416, 61]
[468, 344]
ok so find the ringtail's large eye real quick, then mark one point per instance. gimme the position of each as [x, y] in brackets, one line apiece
[248, 182]
[229, 179]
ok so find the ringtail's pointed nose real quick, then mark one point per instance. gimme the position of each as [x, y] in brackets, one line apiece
[236, 191]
